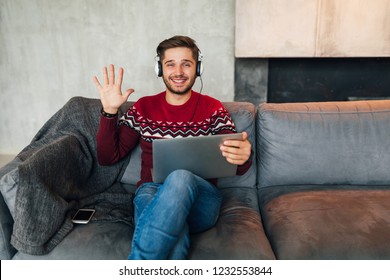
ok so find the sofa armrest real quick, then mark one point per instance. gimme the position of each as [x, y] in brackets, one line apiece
[7, 251]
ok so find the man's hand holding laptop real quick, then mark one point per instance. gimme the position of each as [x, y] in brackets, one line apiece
[236, 151]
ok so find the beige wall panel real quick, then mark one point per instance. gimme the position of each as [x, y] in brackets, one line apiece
[354, 28]
[312, 28]
[275, 28]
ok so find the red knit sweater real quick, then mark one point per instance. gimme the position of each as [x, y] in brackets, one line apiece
[151, 117]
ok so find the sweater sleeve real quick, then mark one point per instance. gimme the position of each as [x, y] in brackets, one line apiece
[114, 142]
[242, 169]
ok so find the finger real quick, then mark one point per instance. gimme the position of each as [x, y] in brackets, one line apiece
[111, 78]
[120, 77]
[237, 143]
[105, 76]
[243, 150]
[96, 81]
[233, 143]
[232, 156]
[228, 150]
[234, 159]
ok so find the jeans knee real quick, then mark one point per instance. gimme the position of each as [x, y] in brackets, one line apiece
[180, 181]
[181, 173]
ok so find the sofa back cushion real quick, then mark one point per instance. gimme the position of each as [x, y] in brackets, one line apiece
[345, 142]
[243, 115]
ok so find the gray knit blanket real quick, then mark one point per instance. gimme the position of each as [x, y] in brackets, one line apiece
[59, 173]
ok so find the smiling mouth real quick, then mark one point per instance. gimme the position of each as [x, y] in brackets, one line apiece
[179, 80]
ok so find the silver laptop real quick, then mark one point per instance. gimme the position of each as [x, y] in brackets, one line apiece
[200, 155]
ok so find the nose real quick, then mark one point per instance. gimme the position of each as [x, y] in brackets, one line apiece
[179, 70]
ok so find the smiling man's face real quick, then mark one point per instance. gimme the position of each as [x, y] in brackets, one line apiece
[179, 70]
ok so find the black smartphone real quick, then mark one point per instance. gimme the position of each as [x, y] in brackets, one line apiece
[83, 216]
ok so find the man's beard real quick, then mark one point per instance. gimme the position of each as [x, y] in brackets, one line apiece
[181, 91]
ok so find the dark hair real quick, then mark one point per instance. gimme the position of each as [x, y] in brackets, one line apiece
[175, 42]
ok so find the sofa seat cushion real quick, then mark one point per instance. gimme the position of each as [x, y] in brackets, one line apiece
[94, 241]
[328, 224]
[238, 234]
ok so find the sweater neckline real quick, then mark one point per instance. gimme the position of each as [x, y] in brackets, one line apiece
[189, 103]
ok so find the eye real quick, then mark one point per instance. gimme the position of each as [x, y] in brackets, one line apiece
[170, 64]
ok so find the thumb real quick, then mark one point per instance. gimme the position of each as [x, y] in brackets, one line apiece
[128, 92]
[244, 136]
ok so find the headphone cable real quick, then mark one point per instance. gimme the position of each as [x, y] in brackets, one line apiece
[201, 84]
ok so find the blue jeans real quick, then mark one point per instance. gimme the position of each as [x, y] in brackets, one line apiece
[166, 214]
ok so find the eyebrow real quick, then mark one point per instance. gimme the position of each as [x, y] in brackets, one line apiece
[183, 60]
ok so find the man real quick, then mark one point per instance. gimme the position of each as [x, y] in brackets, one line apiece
[166, 214]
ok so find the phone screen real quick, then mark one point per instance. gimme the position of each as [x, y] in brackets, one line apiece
[83, 216]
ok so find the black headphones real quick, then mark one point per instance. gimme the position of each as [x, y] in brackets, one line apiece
[199, 66]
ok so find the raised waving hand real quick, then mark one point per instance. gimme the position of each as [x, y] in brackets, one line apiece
[110, 91]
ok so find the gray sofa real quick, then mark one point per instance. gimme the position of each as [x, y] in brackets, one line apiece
[318, 189]
[324, 179]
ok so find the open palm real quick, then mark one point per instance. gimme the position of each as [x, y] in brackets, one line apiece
[110, 92]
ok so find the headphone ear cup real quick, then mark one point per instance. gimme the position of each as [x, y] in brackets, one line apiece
[199, 68]
[158, 68]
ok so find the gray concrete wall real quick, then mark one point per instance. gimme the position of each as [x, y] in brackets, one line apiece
[51, 49]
